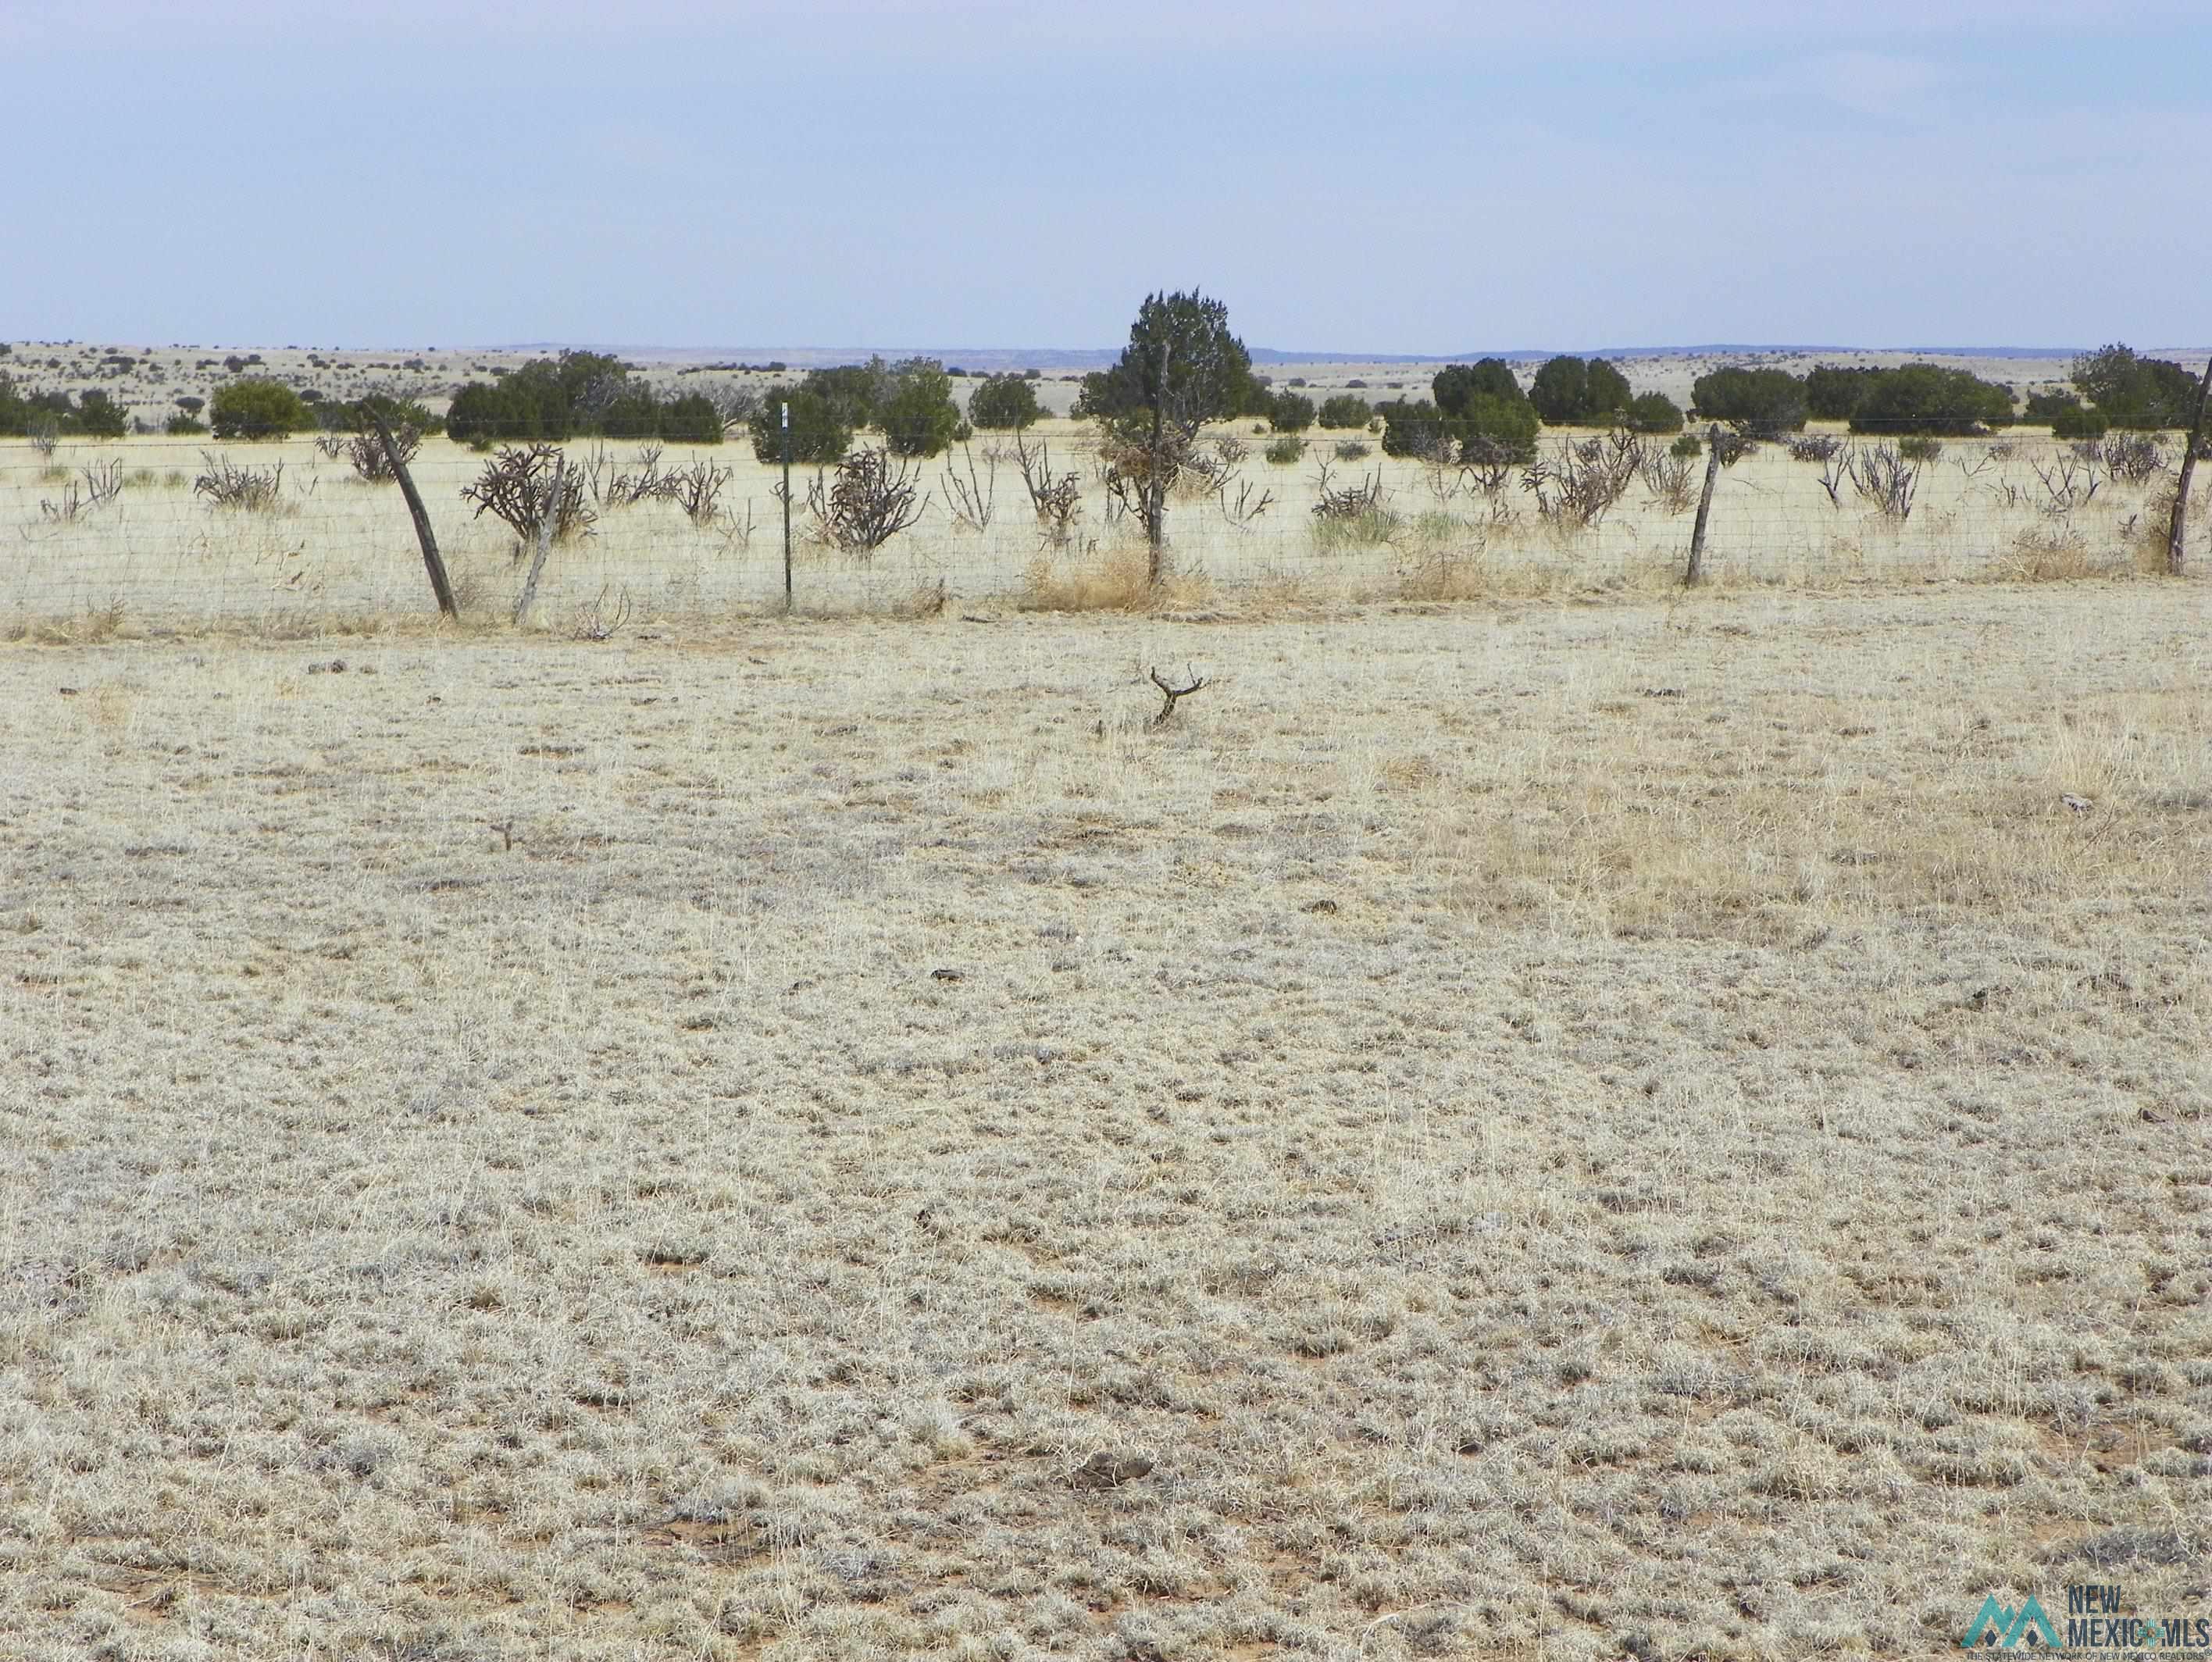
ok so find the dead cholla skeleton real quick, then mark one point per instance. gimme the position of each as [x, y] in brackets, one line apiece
[372, 462]
[872, 499]
[530, 487]
[1584, 478]
[1350, 502]
[1887, 478]
[1057, 499]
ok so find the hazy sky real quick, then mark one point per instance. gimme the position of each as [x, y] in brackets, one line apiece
[1385, 176]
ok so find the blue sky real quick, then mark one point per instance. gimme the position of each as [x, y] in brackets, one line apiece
[1396, 176]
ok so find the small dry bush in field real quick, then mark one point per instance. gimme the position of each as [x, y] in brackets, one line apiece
[1057, 498]
[1669, 479]
[2132, 457]
[244, 489]
[371, 462]
[518, 486]
[872, 499]
[2057, 552]
[1115, 578]
[1352, 516]
[697, 489]
[1583, 478]
[1886, 476]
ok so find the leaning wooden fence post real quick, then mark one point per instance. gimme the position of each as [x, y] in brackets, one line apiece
[1696, 570]
[423, 534]
[2177, 533]
[548, 520]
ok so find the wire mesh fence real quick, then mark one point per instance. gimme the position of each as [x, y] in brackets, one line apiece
[177, 531]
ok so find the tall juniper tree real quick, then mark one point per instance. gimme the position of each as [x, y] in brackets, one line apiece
[1181, 369]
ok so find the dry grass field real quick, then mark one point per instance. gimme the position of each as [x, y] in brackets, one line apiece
[1572, 1128]
[330, 549]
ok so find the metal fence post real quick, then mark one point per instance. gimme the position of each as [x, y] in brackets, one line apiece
[785, 510]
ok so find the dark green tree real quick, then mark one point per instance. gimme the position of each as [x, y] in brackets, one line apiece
[692, 419]
[1346, 410]
[1485, 412]
[2045, 407]
[1413, 427]
[99, 416]
[1181, 369]
[1289, 412]
[1569, 392]
[398, 411]
[919, 417]
[257, 409]
[1924, 399]
[1489, 376]
[1763, 403]
[818, 438]
[2132, 391]
[855, 393]
[1652, 412]
[1003, 404]
[483, 413]
[1833, 392]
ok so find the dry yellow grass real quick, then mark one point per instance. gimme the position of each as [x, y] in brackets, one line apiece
[336, 551]
[1553, 1130]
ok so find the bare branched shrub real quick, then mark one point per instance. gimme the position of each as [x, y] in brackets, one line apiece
[696, 489]
[1584, 478]
[1244, 506]
[44, 432]
[329, 445]
[65, 508]
[623, 488]
[1057, 499]
[103, 482]
[596, 620]
[1835, 468]
[1669, 479]
[2071, 481]
[1350, 502]
[1814, 447]
[1352, 515]
[2132, 457]
[519, 485]
[1219, 476]
[1444, 478]
[736, 534]
[372, 464]
[972, 500]
[1886, 477]
[870, 501]
[247, 490]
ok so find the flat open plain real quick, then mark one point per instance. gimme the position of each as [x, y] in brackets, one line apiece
[1564, 1130]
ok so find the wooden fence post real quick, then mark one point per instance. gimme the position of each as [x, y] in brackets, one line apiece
[548, 520]
[2177, 533]
[439, 584]
[1697, 569]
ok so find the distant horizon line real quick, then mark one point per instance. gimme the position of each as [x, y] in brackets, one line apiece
[1334, 355]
